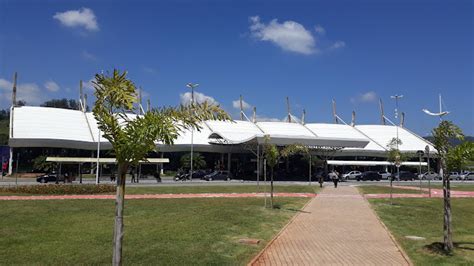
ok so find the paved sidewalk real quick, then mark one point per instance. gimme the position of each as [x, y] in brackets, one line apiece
[336, 228]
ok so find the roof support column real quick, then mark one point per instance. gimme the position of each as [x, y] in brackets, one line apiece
[80, 173]
[258, 167]
[10, 162]
[161, 165]
[309, 169]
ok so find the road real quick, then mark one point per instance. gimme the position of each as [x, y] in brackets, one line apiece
[8, 181]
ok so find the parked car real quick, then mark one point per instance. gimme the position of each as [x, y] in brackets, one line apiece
[385, 175]
[467, 176]
[369, 175]
[351, 175]
[199, 174]
[404, 176]
[454, 176]
[218, 175]
[430, 176]
[50, 177]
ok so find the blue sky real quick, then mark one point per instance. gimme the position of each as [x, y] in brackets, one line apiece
[313, 51]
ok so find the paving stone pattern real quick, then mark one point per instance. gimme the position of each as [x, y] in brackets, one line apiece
[336, 228]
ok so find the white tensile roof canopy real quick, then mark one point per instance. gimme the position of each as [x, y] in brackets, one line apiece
[54, 127]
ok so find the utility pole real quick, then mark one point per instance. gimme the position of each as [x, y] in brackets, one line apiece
[288, 108]
[254, 116]
[81, 97]
[382, 115]
[427, 151]
[336, 120]
[397, 97]
[12, 113]
[192, 86]
[241, 108]
[14, 89]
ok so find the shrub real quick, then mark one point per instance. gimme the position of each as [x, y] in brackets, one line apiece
[59, 189]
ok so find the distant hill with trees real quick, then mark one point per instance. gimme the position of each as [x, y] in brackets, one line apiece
[62, 103]
[454, 142]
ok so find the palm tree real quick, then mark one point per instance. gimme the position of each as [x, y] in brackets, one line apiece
[445, 131]
[133, 137]
[198, 161]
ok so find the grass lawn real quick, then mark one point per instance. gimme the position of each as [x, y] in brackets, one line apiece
[165, 232]
[424, 218]
[385, 190]
[454, 186]
[218, 189]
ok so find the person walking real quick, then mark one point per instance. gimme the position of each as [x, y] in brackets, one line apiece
[335, 178]
[132, 172]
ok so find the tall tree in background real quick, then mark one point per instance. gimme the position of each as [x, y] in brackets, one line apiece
[445, 131]
[62, 103]
[133, 137]
[198, 161]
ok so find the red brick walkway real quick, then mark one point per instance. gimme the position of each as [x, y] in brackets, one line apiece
[159, 196]
[435, 193]
[336, 228]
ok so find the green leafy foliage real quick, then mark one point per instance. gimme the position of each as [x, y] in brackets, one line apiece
[460, 156]
[394, 154]
[4, 131]
[442, 135]
[198, 161]
[59, 189]
[133, 137]
[40, 163]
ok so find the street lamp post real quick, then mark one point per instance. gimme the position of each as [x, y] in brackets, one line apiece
[420, 154]
[427, 151]
[192, 86]
[397, 97]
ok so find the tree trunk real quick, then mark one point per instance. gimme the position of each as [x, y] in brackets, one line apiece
[119, 205]
[271, 190]
[448, 236]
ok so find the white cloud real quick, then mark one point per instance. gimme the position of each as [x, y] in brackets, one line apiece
[83, 17]
[51, 86]
[5, 84]
[245, 105]
[88, 56]
[289, 35]
[337, 45]
[319, 29]
[185, 98]
[28, 92]
[369, 96]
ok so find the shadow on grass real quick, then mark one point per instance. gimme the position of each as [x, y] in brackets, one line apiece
[279, 207]
[438, 247]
